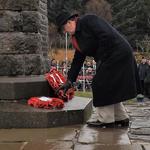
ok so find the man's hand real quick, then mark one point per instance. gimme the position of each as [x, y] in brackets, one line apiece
[67, 85]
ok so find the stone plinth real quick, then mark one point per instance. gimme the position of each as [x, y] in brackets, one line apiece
[12, 88]
[23, 48]
[17, 115]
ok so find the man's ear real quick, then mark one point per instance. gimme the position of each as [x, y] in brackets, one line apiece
[69, 21]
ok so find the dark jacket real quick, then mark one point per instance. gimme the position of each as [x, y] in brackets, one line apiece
[142, 69]
[116, 77]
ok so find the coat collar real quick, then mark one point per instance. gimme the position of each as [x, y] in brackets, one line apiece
[78, 26]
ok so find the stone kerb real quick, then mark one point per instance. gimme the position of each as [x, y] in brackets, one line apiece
[23, 38]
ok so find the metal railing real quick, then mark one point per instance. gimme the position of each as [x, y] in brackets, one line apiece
[84, 79]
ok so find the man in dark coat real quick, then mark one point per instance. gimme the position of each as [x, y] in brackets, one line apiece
[116, 78]
[142, 69]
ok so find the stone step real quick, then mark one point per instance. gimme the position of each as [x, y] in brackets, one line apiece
[21, 115]
[24, 87]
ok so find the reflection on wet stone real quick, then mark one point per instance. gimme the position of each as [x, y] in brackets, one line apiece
[103, 136]
[107, 147]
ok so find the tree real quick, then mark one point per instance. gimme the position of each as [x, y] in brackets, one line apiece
[132, 18]
[98, 7]
[55, 7]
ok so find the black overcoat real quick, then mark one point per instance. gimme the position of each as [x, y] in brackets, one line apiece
[116, 78]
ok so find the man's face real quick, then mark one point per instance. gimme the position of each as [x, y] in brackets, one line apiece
[144, 60]
[69, 27]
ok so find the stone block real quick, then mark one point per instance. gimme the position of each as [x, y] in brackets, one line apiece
[43, 20]
[12, 88]
[33, 65]
[19, 43]
[17, 115]
[33, 20]
[19, 4]
[30, 5]
[11, 65]
[36, 64]
[10, 21]
[43, 4]
[30, 21]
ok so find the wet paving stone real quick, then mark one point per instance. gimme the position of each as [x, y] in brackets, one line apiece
[140, 131]
[146, 146]
[11, 146]
[140, 122]
[19, 135]
[64, 133]
[136, 111]
[82, 137]
[139, 138]
[107, 147]
[103, 136]
[59, 133]
[60, 145]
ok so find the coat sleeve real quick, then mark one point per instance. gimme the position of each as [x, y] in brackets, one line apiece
[76, 65]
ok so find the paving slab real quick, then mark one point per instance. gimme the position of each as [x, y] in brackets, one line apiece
[107, 147]
[61, 145]
[139, 138]
[11, 146]
[21, 115]
[146, 146]
[140, 131]
[90, 135]
[140, 122]
[66, 133]
[136, 111]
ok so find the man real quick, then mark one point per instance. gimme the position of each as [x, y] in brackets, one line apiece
[142, 68]
[116, 78]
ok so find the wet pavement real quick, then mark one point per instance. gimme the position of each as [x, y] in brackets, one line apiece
[139, 131]
[82, 137]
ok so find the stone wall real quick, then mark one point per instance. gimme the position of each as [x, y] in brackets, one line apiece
[23, 37]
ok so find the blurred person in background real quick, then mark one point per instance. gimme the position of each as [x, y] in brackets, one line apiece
[142, 67]
[147, 80]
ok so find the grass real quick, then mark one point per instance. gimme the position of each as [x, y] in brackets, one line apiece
[83, 94]
[130, 102]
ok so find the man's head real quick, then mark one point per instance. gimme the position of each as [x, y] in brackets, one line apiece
[66, 22]
[143, 61]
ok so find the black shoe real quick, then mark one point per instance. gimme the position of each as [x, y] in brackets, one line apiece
[122, 123]
[97, 123]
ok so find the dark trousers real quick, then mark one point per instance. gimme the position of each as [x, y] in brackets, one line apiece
[142, 87]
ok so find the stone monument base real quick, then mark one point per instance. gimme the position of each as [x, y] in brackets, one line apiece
[21, 115]
[12, 88]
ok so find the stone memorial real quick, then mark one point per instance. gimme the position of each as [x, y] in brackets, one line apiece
[23, 48]
[23, 63]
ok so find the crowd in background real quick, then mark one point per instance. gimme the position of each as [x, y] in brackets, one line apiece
[85, 76]
[88, 70]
